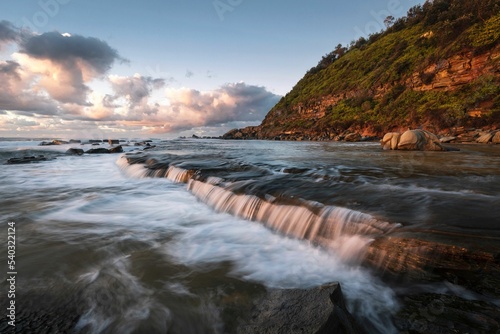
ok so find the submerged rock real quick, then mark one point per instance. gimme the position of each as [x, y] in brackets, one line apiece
[288, 311]
[436, 313]
[26, 160]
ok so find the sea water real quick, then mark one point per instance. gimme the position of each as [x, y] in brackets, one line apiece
[127, 252]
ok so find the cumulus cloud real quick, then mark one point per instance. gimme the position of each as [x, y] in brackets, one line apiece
[65, 63]
[46, 86]
[15, 93]
[8, 33]
[190, 108]
[67, 49]
[136, 88]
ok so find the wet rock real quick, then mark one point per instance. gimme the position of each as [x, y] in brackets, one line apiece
[26, 160]
[416, 259]
[436, 313]
[75, 151]
[496, 138]
[447, 139]
[352, 137]
[91, 141]
[116, 149]
[53, 142]
[390, 141]
[419, 140]
[75, 141]
[317, 310]
[100, 150]
[413, 140]
[113, 141]
[485, 138]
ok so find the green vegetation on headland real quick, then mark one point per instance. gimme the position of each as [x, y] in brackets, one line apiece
[437, 67]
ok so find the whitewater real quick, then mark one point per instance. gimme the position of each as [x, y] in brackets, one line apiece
[181, 237]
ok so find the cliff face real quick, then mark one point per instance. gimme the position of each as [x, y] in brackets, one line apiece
[417, 73]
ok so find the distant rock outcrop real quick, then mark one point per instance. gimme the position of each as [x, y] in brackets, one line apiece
[53, 142]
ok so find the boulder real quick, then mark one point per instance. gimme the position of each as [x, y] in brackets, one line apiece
[116, 149]
[447, 139]
[99, 150]
[352, 137]
[52, 142]
[75, 141]
[390, 141]
[113, 141]
[418, 140]
[59, 142]
[496, 138]
[316, 310]
[75, 151]
[485, 138]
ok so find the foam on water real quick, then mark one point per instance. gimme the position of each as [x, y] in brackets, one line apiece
[106, 230]
[107, 209]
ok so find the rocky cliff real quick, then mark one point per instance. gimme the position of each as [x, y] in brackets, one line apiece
[439, 73]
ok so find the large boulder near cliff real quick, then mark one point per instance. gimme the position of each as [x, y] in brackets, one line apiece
[413, 140]
[496, 138]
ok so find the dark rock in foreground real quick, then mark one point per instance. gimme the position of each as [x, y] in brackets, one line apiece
[435, 313]
[288, 311]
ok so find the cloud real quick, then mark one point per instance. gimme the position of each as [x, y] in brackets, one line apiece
[8, 33]
[47, 87]
[190, 108]
[64, 64]
[66, 49]
[135, 88]
[16, 95]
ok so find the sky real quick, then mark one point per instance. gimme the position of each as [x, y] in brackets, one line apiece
[164, 68]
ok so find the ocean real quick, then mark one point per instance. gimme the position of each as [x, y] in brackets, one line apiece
[180, 238]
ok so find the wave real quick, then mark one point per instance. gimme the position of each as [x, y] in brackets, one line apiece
[347, 232]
